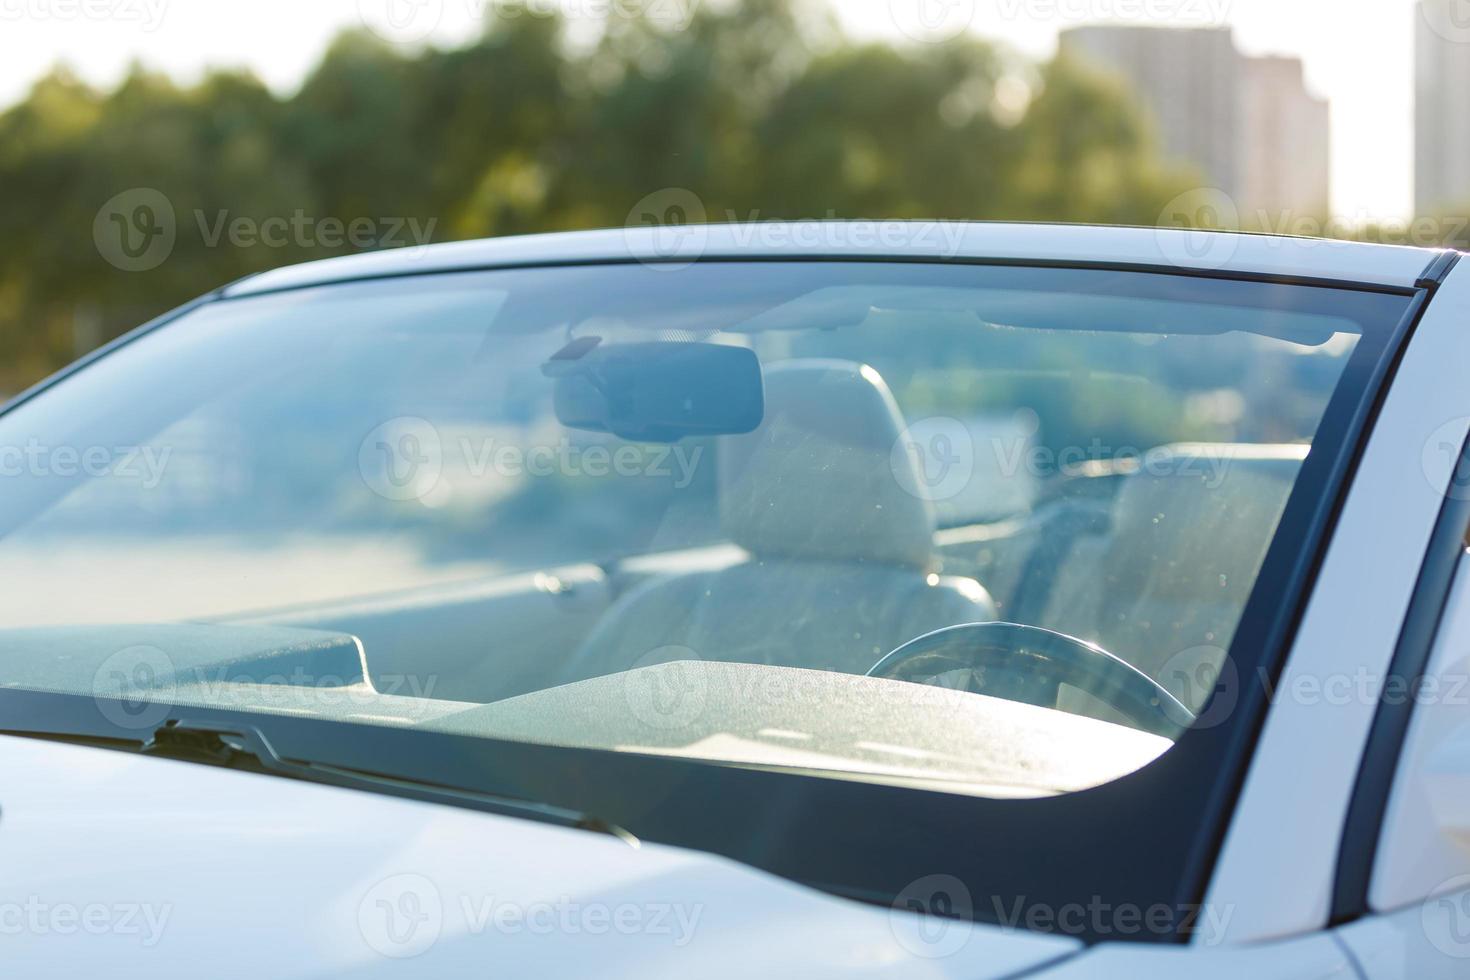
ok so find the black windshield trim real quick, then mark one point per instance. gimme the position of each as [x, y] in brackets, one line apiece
[1100, 265]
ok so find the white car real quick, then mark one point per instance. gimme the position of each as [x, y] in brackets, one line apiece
[902, 600]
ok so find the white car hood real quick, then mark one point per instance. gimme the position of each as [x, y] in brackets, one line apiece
[125, 866]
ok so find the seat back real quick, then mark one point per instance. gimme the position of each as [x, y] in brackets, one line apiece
[841, 554]
[1189, 533]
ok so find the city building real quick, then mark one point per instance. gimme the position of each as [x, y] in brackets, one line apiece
[1248, 125]
[1441, 115]
[1284, 141]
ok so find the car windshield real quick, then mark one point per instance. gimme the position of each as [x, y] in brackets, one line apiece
[984, 530]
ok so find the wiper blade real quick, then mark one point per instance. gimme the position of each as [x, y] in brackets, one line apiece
[241, 746]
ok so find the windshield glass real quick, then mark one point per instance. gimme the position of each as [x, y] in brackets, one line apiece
[768, 514]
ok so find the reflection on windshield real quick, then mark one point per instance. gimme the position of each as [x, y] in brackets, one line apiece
[523, 481]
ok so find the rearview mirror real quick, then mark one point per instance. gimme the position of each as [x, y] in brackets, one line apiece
[658, 391]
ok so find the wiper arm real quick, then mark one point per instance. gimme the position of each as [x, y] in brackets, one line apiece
[241, 746]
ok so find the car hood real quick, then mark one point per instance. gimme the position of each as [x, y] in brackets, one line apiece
[138, 866]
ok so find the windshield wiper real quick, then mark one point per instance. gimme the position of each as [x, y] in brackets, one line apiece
[241, 746]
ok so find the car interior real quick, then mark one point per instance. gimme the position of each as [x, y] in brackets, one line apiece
[1153, 566]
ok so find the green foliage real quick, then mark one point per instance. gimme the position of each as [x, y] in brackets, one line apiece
[760, 108]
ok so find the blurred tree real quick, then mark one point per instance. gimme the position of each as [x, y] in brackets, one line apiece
[1087, 154]
[759, 108]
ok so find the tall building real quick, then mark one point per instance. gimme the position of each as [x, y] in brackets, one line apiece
[1284, 144]
[1249, 125]
[1188, 80]
[1441, 115]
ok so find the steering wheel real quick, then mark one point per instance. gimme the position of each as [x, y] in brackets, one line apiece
[1029, 664]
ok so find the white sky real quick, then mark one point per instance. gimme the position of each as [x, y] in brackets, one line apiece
[1358, 53]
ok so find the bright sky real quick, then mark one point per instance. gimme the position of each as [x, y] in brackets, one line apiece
[1358, 53]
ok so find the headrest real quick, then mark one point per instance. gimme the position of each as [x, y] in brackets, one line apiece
[1195, 522]
[817, 479]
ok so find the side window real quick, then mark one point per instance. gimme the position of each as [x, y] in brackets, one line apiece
[1424, 842]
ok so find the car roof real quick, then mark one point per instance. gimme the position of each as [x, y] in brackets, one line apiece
[1169, 249]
